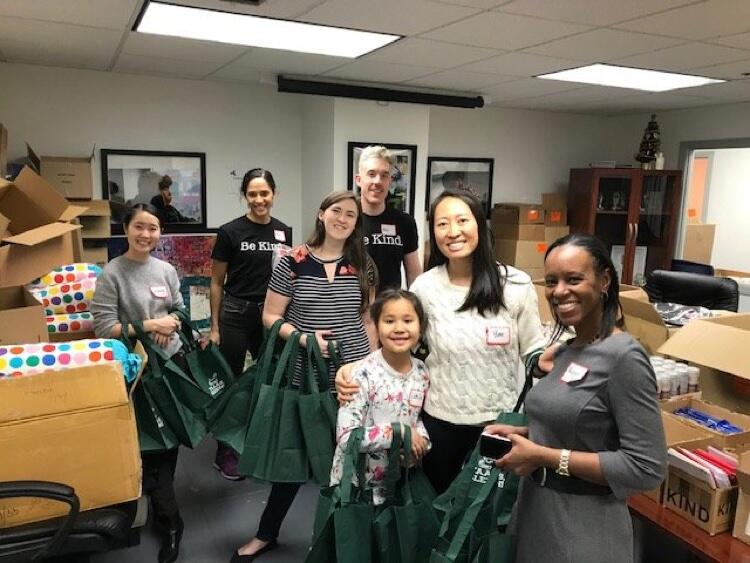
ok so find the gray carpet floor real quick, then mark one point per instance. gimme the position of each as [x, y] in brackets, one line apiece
[221, 515]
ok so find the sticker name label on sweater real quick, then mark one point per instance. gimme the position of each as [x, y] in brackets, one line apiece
[159, 291]
[279, 235]
[575, 372]
[388, 229]
[498, 335]
[416, 398]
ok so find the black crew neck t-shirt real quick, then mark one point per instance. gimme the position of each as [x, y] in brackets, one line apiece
[248, 249]
[388, 237]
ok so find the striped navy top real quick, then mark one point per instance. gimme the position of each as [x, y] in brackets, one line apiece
[317, 304]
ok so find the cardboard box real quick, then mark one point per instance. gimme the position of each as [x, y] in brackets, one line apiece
[76, 428]
[41, 236]
[723, 440]
[551, 234]
[518, 214]
[722, 273]
[69, 176]
[643, 322]
[521, 253]
[95, 254]
[96, 220]
[555, 209]
[741, 529]
[535, 273]
[682, 434]
[21, 317]
[699, 243]
[518, 232]
[719, 347]
[710, 509]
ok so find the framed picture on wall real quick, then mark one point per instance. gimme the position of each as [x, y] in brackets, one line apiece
[173, 182]
[474, 174]
[402, 192]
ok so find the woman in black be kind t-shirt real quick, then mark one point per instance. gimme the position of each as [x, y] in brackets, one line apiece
[242, 264]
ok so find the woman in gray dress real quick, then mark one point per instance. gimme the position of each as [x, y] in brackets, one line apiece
[595, 434]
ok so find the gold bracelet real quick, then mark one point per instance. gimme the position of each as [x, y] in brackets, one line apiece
[562, 468]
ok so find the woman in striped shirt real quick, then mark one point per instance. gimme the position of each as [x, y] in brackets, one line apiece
[323, 287]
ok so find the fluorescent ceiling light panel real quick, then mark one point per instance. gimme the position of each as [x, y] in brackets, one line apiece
[626, 77]
[254, 31]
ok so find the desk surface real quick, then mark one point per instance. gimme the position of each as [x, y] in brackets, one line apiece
[721, 548]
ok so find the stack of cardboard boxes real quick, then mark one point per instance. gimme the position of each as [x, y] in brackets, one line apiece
[524, 231]
[71, 177]
[77, 428]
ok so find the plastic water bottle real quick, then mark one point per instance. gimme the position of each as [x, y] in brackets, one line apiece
[693, 376]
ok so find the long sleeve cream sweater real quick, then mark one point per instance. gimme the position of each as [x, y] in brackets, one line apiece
[472, 381]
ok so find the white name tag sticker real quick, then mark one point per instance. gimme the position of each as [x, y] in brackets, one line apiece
[279, 235]
[159, 291]
[575, 372]
[498, 335]
[388, 229]
[416, 398]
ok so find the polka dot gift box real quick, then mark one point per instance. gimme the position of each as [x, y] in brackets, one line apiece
[27, 359]
[67, 274]
[74, 322]
[66, 298]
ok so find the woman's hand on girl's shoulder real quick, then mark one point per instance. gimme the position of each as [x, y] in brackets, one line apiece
[299, 253]
[346, 388]
[547, 359]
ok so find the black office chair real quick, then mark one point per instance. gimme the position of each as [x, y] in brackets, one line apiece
[688, 288]
[694, 267]
[69, 538]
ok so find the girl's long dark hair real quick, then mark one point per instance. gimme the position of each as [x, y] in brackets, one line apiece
[611, 316]
[354, 247]
[486, 290]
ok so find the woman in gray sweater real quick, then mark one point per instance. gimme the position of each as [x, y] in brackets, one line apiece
[139, 287]
[595, 434]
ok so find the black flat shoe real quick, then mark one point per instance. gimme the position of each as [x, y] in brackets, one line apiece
[237, 558]
[170, 545]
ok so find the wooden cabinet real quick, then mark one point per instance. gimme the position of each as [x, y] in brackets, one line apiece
[635, 212]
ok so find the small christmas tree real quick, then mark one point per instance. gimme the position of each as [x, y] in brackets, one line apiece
[650, 143]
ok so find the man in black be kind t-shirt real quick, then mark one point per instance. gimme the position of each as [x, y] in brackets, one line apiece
[390, 234]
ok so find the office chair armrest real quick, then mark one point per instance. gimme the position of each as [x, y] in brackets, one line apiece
[52, 491]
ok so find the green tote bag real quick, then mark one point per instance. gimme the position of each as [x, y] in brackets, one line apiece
[317, 412]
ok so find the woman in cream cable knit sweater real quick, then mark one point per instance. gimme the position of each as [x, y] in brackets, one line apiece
[482, 321]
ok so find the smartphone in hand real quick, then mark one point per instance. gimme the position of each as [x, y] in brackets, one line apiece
[493, 446]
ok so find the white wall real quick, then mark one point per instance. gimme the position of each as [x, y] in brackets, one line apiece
[727, 206]
[369, 121]
[317, 164]
[64, 111]
[533, 150]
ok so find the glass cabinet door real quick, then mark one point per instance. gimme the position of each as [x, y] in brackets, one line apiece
[659, 200]
[611, 226]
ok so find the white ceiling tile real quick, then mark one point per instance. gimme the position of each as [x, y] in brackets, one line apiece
[740, 40]
[374, 71]
[460, 80]
[288, 62]
[651, 102]
[484, 4]
[110, 14]
[137, 64]
[734, 71]
[603, 44]
[597, 12]
[57, 44]
[521, 64]
[429, 53]
[387, 16]
[726, 91]
[698, 21]
[684, 57]
[526, 88]
[504, 31]
[283, 9]
[146, 44]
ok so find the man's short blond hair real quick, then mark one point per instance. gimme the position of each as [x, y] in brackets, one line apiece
[375, 151]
